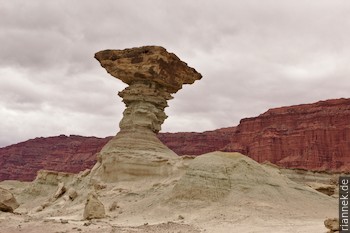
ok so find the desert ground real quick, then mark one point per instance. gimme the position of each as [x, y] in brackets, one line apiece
[215, 192]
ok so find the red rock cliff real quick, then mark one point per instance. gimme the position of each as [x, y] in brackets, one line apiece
[310, 136]
[62, 153]
[197, 143]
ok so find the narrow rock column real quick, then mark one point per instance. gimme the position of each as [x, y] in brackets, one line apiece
[153, 75]
[145, 102]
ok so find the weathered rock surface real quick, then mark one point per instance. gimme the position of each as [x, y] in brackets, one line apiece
[237, 178]
[94, 208]
[327, 189]
[152, 64]
[153, 75]
[214, 175]
[8, 203]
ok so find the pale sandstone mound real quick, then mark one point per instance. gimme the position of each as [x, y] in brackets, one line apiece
[230, 190]
[214, 175]
[153, 75]
[219, 175]
[219, 192]
[8, 203]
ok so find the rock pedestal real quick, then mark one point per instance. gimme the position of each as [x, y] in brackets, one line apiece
[153, 75]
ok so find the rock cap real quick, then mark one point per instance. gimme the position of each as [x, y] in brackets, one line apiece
[148, 63]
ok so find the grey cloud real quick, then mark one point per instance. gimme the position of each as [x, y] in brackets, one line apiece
[253, 56]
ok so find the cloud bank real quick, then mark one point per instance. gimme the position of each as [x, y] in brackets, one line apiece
[253, 56]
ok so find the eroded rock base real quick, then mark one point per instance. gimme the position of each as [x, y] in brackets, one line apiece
[134, 154]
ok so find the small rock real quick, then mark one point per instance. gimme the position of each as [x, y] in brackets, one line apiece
[114, 206]
[98, 186]
[38, 209]
[181, 217]
[93, 208]
[332, 224]
[84, 173]
[8, 202]
[72, 194]
[60, 190]
[87, 224]
[64, 221]
[45, 204]
[326, 189]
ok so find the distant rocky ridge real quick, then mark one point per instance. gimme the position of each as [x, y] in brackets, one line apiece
[198, 143]
[61, 153]
[309, 136]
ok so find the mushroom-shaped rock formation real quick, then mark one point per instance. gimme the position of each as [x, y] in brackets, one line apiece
[153, 74]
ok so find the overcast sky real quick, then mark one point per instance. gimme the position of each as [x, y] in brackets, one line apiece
[253, 55]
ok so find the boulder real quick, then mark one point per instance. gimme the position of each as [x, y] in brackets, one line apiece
[94, 208]
[72, 194]
[8, 202]
[332, 224]
[61, 189]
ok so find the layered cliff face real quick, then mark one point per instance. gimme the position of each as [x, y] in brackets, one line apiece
[198, 143]
[309, 136]
[62, 153]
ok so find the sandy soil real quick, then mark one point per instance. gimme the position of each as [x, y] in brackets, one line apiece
[17, 224]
